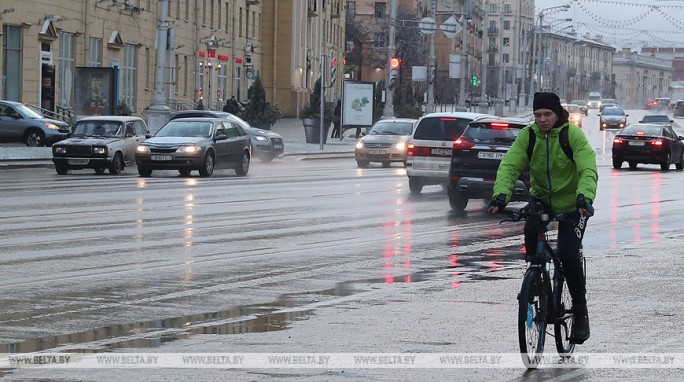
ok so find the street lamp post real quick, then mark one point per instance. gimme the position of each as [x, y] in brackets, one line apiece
[158, 113]
[560, 8]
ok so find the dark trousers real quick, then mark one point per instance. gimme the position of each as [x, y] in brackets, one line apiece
[336, 130]
[570, 234]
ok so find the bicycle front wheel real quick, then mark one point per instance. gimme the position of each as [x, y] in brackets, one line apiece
[532, 310]
[564, 318]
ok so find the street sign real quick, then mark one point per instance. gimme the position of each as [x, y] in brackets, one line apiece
[419, 73]
[450, 27]
[427, 25]
[454, 66]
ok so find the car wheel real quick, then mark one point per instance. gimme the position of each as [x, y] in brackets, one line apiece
[458, 201]
[184, 172]
[362, 163]
[680, 165]
[208, 166]
[117, 164]
[244, 165]
[144, 171]
[665, 165]
[415, 185]
[385, 164]
[34, 138]
[632, 165]
[61, 168]
[617, 163]
[99, 170]
[266, 158]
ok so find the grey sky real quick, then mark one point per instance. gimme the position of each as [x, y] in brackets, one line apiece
[621, 22]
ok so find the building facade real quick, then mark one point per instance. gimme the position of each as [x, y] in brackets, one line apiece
[640, 78]
[215, 49]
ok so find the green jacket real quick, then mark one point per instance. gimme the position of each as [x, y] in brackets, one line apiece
[554, 178]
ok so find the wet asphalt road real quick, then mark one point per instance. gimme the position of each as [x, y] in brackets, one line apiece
[99, 263]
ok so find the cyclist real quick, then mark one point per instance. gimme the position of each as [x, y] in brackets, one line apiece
[563, 183]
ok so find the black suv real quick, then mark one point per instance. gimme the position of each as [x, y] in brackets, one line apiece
[475, 160]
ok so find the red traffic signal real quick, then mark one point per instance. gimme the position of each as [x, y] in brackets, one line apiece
[395, 62]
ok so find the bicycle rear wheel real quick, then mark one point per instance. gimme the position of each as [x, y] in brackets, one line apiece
[532, 311]
[564, 318]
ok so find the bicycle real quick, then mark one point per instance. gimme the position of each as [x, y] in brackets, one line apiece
[544, 298]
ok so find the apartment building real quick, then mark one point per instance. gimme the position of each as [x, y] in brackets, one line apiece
[214, 50]
[640, 78]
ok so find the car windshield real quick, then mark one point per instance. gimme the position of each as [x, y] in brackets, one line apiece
[492, 132]
[392, 128]
[572, 108]
[642, 130]
[27, 112]
[607, 100]
[656, 118]
[613, 111]
[440, 128]
[99, 128]
[180, 128]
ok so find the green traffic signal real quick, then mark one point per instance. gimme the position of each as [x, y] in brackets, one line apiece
[475, 81]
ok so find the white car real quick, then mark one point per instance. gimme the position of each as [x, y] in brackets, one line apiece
[431, 145]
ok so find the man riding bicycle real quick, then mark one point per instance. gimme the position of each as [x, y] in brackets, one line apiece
[563, 183]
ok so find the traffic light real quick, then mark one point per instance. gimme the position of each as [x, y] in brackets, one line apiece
[432, 76]
[395, 64]
[475, 81]
[333, 69]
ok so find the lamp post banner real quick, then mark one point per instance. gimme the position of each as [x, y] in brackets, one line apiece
[357, 103]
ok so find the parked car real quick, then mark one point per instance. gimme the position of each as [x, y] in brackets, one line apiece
[100, 143]
[648, 143]
[430, 147]
[574, 114]
[612, 118]
[584, 108]
[20, 123]
[202, 144]
[475, 159]
[678, 109]
[385, 142]
[661, 119]
[266, 145]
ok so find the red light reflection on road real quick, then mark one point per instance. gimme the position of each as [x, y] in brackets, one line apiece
[453, 263]
[397, 251]
[656, 184]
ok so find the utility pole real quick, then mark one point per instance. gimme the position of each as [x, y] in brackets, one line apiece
[158, 112]
[464, 56]
[485, 54]
[391, 50]
[431, 61]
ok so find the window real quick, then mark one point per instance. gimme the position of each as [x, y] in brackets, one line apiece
[380, 9]
[493, 8]
[211, 14]
[222, 79]
[506, 41]
[95, 52]
[508, 8]
[11, 68]
[351, 9]
[128, 76]
[505, 58]
[139, 128]
[379, 40]
[66, 68]
[247, 23]
[240, 22]
[230, 130]
[507, 25]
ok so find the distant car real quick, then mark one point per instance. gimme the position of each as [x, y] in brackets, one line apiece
[648, 143]
[476, 157]
[612, 118]
[607, 102]
[202, 144]
[100, 143]
[430, 147]
[266, 145]
[584, 108]
[385, 142]
[661, 119]
[574, 114]
[20, 123]
[678, 109]
[594, 101]
[662, 104]
[651, 105]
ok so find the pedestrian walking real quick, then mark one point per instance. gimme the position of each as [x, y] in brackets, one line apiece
[337, 119]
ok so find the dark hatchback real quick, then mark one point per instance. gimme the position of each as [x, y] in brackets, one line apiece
[475, 159]
[201, 144]
[650, 144]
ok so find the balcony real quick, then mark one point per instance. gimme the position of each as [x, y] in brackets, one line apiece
[312, 8]
[253, 2]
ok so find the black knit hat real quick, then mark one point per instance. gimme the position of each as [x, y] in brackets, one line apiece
[543, 100]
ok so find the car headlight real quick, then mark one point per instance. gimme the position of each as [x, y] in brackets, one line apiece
[359, 145]
[143, 149]
[60, 150]
[51, 126]
[189, 149]
[260, 138]
[99, 150]
[400, 145]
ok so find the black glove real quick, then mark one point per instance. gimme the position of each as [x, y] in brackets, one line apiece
[499, 202]
[582, 202]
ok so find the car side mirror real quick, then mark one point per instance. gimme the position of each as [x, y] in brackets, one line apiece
[642, 121]
[599, 114]
[221, 137]
[15, 115]
[626, 115]
[681, 138]
[671, 121]
[148, 136]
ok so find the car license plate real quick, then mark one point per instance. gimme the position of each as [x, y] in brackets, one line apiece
[636, 143]
[161, 157]
[490, 155]
[376, 152]
[441, 152]
[78, 161]
[277, 146]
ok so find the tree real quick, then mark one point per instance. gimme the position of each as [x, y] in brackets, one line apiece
[259, 111]
[313, 108]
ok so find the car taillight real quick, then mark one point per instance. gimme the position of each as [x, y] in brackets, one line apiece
[618, 141]
[410, 149]
[499, 125]
[657, 142]
[462, 144]
[417, 151]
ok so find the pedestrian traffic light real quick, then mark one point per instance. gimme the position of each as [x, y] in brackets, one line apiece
[395, 65]
[433, 74]
[475, 81]
[333, 69]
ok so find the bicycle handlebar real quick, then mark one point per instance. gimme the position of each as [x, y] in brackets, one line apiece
[524, 212]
